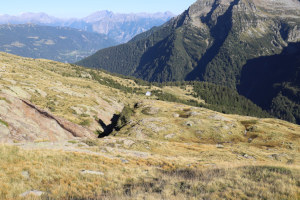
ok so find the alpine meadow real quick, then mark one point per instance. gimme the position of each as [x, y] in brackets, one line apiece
[150, 105]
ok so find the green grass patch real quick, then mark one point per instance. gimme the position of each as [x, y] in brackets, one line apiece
[4, 99]
[4, 123]
[85, 122]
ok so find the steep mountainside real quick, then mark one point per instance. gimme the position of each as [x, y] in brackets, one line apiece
[273, 82]
[54, 43]
[120, 27]
[212, 41]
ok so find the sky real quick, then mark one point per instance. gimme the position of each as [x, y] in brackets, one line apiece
[82, 8]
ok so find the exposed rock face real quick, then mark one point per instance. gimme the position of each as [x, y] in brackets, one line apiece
[22, 121]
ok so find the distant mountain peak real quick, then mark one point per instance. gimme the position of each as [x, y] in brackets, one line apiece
[109, 15]
[120, 27]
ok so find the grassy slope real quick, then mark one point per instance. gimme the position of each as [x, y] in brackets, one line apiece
[168, 150]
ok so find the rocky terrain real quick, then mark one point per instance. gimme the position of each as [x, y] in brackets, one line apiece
[50, 113]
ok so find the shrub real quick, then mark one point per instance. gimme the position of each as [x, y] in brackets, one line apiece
[124, 117]
[91, 142]
[85, 122]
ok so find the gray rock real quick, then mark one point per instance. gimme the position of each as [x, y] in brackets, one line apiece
[246, 156]
[252, 129]
[170, 136]
[220, 146]
[138, 105]
[92, 172]
[277, 157]
[175, 115]
[33, 193]
[219, 117]
[199, 132]
[193, 113]
[151, 110]
[124, 161]
[25, 174]
[128, 143]
[209, 164]
[189, 123]
[156, 128]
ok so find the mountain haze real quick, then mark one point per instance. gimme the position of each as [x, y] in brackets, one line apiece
[211, 41]
[120, 27]
[54, 43]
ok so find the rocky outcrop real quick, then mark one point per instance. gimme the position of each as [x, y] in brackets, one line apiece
[74, 129]
[23, 121]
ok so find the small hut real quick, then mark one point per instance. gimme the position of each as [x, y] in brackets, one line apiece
[148, 94]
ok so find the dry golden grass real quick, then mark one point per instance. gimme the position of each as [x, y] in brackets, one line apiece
[58, 174]
[176, 152]
[63, 89]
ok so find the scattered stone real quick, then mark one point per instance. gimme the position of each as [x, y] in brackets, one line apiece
[138, 105]
[103, 151]
[151, 110]
[220, 146]
[252, 129]
[230, 133]
[199, 132]
[290, 162]
[124, 161]
[248, 157]
[92, 172]
[128, 143]
[189, 123]
[156, 128]
[277, 156]
[210, 164]
[140, 136]
[175, 115]
[219, 117]
[170, 136]
[25, 174]
[140, 154]
[193, 113]
[33, 193]
[250, 140]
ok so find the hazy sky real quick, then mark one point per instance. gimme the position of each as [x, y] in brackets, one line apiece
[82, 8]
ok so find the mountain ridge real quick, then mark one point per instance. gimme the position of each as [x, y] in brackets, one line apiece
[121, 27]
[211, 41]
